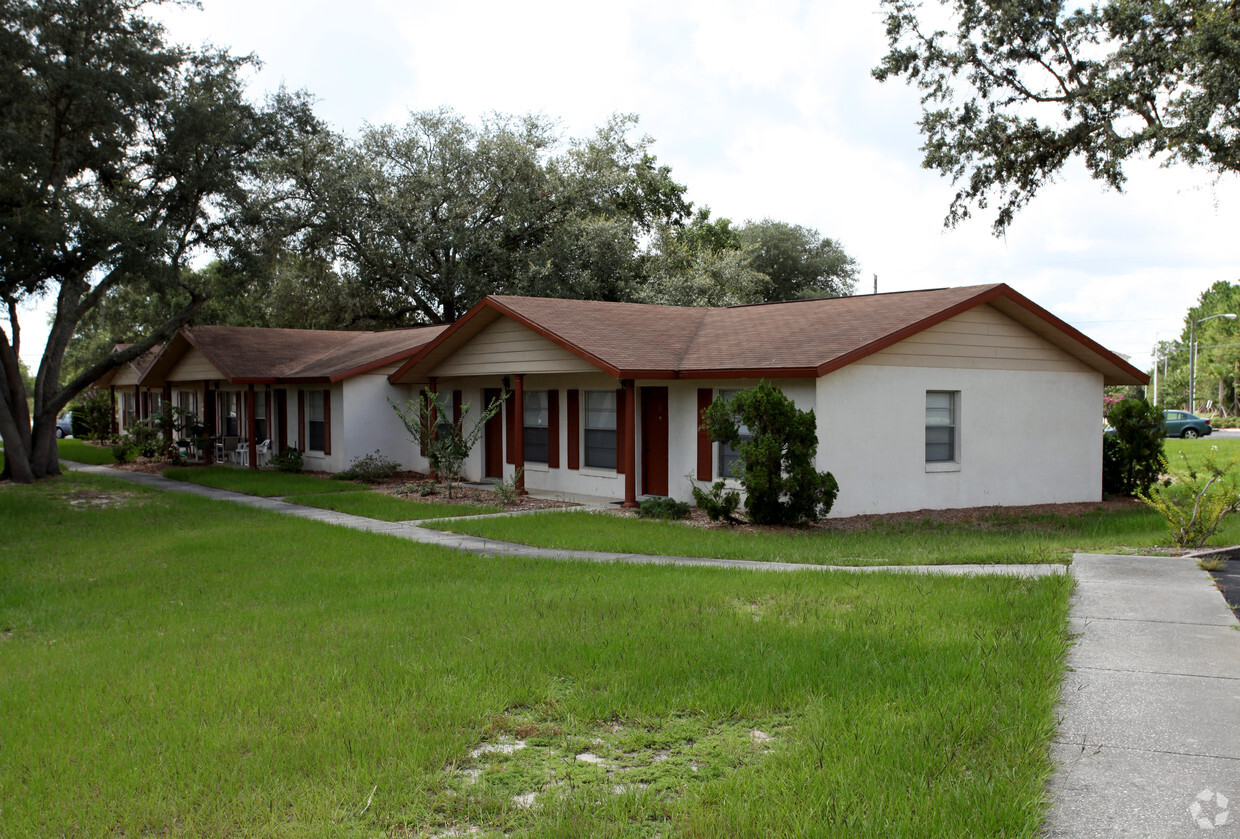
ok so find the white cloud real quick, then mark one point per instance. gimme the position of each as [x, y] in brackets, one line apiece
[762, 110]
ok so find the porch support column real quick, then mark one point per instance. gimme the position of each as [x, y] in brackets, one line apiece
[630, 444]
[208, 423]
[518, 430]
[116, 409]
[137, 404]
[249, 419]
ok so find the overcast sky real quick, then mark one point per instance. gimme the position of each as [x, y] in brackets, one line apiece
[762, 110]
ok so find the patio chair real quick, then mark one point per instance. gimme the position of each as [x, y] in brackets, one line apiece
[227, 450]
[262, 453]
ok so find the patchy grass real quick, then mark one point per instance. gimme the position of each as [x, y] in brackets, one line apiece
[1002, 536]
[175, 666]
[377, 505]
[258, 482]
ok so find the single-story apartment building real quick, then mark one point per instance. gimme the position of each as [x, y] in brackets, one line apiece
[321, 392]
[953, 397]
[131, 402]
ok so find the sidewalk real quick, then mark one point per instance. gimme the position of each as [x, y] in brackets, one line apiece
[492, 547]
[1149, 739]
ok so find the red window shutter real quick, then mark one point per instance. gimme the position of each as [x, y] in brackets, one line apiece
[457, 401]
[705, 397]
[510, 429]
[301, 420]
[574, 429]
[622, 423]
[553, 429]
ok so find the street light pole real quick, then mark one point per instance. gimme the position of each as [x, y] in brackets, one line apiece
[1192, 358]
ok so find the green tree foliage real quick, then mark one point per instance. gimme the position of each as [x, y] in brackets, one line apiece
[777, 461]
[1218, 347]
[427, 218]
[92, 414]
[286, 291]
[701, 263]
[798, 262]
[121, 157]
[26, 376]
[1132, 457]
[1019, 89]
[709, 262]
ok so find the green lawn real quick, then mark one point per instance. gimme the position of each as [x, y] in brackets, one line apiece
[83, 452]
[77, 450]
[173, 666]
[1195, 450]
[258, 482]
[1004, 537]
[376, 505]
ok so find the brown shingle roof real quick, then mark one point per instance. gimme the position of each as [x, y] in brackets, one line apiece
[259, 354]
[797, 338]
[131, 371]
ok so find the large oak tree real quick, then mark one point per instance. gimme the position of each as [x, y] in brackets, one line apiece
[121, 157]
[1017, 88]
[426, 218]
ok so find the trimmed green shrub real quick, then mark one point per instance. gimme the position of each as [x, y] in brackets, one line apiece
[289, 460]
[719, 503]
[123, 450]
[370, 468]
[777, 460]
[1132, 457]
[146, 437]
[661, 507]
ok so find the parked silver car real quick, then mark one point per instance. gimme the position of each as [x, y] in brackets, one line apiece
[64, 425]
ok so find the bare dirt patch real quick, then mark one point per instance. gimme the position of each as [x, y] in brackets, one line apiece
[92, 499]
[652, 759]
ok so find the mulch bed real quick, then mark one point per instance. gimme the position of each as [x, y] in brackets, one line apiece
[402, 484]
[981, 518]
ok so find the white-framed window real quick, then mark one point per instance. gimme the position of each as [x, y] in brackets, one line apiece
[315, 429]
[600, 429]
[942, 426]
[537, 424]
[730, 458]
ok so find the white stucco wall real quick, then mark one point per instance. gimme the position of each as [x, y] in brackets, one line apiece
[1025, 437]
[367, 422]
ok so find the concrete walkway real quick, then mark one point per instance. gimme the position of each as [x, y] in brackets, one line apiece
[1149, 735]
[1149, 738]
[493, 547]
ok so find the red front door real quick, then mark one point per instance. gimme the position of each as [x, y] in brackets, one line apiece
[493, 439]
[654, 441]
